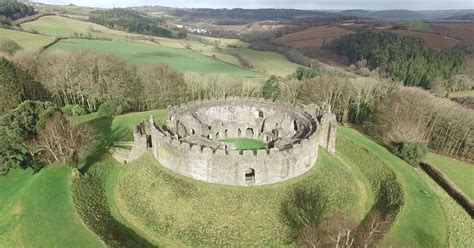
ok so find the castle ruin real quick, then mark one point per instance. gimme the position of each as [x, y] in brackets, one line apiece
[190, 143]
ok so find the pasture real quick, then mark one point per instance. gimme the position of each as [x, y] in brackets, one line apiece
[28, 41]
[141, 53]
[459, 172]
[59, 26]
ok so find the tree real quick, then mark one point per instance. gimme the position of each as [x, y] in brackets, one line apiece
[271, 88]
[412, 153]
[61, 141]
[109, 109]
[162, 86]
[10, 88]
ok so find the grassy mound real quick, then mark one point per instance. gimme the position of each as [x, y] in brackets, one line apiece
[245, 144]
[89, 196]
[37, 211]
[459, 172]
[421, 221]
[169, 207]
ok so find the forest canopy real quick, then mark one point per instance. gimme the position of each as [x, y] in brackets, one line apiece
[403, 59]
[129, 20]
[12, 10]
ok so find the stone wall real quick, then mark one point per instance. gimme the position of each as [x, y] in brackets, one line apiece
[249, 167]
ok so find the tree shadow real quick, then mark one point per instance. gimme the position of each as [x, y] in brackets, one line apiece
[106, 136]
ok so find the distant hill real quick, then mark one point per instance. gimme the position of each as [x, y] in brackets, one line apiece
[397, 14]
[355, 12]
[467, 17]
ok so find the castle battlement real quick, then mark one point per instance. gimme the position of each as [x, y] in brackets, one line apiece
[292, 135]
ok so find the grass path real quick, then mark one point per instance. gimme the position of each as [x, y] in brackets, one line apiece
[37, 211]
[421, 221]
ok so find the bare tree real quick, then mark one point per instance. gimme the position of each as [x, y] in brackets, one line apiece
[61, 141]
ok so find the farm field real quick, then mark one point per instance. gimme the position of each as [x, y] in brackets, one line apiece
[312, 37]
[432, 40]
[141, 53]
[461, 31]
[59, 26]
[28, 41]
[36, 210]
[459, 172]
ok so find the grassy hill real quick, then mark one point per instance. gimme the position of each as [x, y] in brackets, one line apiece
[28, 41]
[37, 211]
[66, 27]
[174, 211]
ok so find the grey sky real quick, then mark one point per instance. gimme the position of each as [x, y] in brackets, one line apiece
[297, 4]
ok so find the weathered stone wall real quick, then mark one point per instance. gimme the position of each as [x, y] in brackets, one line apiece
[233, 167]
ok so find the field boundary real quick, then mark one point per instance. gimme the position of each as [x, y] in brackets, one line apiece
[454, 191]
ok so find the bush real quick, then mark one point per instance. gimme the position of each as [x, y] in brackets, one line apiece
[9, 47]
[109, 109]
[412, 153]
[271, 88]
[74, 110]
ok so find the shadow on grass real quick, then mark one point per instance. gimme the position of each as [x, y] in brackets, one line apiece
[106, 136]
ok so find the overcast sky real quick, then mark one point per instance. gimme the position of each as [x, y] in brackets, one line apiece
[296, 4]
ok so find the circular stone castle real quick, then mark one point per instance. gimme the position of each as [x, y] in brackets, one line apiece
[192, 144]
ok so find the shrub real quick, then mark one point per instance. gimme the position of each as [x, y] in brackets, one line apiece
[74, 110]
[271, 88]
[109, 109]
[412, 153]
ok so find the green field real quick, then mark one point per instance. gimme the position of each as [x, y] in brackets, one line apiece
[268, 63]
[37, 211]
[140, 53]
[459, 172]
[28, 41]
[245, 144]
[66, 27]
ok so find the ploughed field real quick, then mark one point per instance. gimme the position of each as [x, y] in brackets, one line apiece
[144, 203]
[431, 39]
[312, 37]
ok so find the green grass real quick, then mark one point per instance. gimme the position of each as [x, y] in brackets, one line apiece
[37, 211]
[168, 207]
[421, 221]
[245, 144]
[66, 27]
[141, 53]
[270, 63]
[123, 123]
[28, 41]
[460, 223]
[459, 172]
